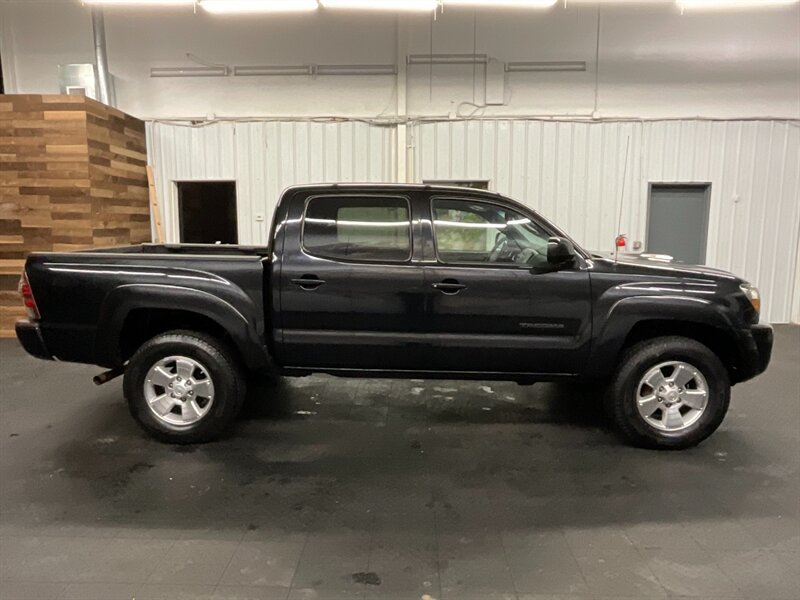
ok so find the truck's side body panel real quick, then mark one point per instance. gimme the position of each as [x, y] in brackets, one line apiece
[347, 314]
[391, 316]
[86, 297]
[507, 318]
[625, 295]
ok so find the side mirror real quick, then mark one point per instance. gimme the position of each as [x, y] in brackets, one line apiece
[560, 252]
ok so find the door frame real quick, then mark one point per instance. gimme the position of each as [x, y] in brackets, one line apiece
[680, 184]
[433, 263]
[292, 223]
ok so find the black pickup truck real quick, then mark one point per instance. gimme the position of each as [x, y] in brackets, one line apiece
[398, 281]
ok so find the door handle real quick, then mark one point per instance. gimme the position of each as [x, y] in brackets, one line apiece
[449, 286]
[308, 282]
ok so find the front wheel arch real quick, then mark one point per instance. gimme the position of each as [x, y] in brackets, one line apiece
[624, 332]
[719, 341]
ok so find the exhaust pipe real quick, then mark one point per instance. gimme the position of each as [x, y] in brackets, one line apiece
[107, 376]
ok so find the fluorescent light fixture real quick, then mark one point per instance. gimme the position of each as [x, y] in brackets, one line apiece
[388, 5]
[623, 2]
[141, 2]
[268, 70]
[257, 6]
[528, 66]
[188, 71]
[501, 3]
[731, 4]
[447, 59]
[356, 70]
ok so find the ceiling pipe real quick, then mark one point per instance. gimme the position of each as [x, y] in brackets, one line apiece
[105, 94]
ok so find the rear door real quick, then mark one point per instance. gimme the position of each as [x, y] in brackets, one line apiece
[351, 293]
[496, 306]
[677, 222]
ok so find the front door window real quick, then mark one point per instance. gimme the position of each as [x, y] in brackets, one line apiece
[469, 232]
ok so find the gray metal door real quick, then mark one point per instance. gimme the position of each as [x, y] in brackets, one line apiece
[677, 222]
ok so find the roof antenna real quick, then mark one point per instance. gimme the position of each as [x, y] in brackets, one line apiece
[620, 237]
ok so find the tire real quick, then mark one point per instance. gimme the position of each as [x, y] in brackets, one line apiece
[664, 429]
[192, 419]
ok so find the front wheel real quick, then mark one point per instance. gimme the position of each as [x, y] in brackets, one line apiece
[668, 393]
[184, 387]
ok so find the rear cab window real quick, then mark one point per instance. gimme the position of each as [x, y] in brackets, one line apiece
[361, 228]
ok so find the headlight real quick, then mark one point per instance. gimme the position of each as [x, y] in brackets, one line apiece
[752, 294]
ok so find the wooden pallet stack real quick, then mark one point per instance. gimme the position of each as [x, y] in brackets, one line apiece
[72, 176]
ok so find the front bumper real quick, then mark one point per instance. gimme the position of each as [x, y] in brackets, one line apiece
[30, 336]
[763, 336]
[756, 351]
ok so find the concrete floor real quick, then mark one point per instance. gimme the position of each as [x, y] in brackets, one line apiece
[393, 489]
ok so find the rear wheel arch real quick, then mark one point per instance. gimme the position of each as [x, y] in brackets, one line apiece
[143, 324]
[131, 315]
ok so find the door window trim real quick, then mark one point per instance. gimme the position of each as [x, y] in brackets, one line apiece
[484, 265]
[376, 261]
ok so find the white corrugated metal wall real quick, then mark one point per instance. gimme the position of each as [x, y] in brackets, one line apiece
[263, 158]
[570, 171]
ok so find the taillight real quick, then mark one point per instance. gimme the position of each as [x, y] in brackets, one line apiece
[27, 297]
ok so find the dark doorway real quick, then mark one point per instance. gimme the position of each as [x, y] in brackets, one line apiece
[677, 222]
[207, 212]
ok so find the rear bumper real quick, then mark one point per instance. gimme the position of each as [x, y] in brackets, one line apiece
[756, 351]
[30, 336]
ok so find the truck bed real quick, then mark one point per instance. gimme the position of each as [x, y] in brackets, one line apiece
[199, 249]
[93, 299]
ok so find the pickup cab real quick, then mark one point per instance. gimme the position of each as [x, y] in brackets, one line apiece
[394, 280]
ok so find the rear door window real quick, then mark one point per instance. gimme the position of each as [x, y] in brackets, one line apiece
[358, 228]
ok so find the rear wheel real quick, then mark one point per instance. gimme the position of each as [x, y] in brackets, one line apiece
[184, 387]
[669, 393]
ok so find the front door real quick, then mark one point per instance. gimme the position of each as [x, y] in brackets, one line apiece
[496, 305]
[351, 295]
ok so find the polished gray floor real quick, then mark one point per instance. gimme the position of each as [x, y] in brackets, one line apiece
[393, 489]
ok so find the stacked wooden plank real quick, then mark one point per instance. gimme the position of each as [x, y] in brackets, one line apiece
[72, 176]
